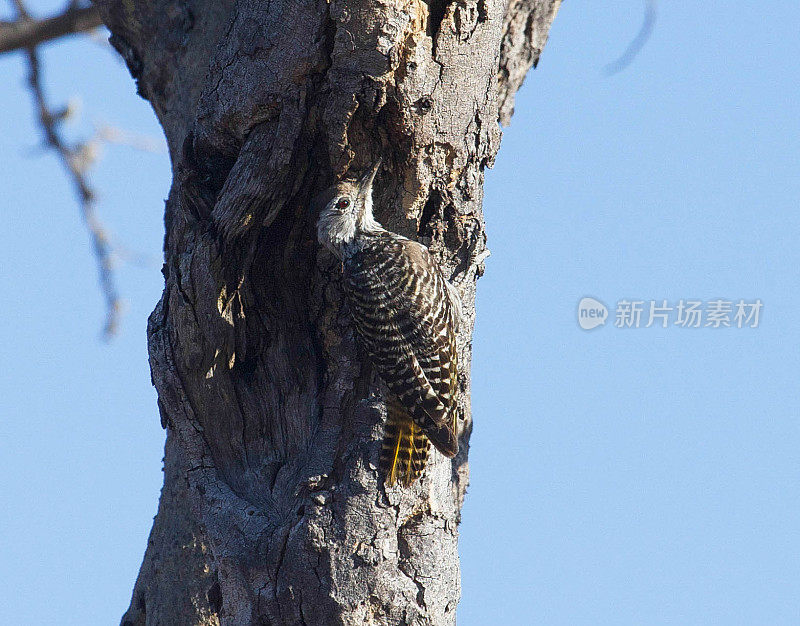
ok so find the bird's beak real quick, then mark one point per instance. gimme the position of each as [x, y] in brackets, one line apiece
[367, 179]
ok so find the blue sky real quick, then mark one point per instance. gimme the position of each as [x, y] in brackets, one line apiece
[619, 475]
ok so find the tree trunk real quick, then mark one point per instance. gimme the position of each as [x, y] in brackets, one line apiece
[273, 511]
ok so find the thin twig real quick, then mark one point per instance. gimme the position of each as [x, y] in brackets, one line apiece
[118, 136]
[75, 163]
[638, 42]
[22, 11]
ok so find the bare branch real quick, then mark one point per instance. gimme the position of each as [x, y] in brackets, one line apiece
[76, 162]
[118, 136]
[635, 46]
[26, 32]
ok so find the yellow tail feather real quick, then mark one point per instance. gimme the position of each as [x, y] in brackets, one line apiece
[405, 447]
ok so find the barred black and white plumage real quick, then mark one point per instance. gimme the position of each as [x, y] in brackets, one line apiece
[405, 313]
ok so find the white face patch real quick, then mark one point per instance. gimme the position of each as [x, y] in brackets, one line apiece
[344, 217]
[336, 226]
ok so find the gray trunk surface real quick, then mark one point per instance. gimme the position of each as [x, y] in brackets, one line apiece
[273, 510]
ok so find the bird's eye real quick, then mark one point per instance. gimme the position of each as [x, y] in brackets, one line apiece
[343, 203]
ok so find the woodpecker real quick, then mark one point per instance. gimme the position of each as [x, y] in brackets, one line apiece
[406, 314]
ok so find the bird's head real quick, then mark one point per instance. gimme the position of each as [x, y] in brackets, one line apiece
[347, 212]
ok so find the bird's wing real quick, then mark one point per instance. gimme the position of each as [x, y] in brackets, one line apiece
[401, 308]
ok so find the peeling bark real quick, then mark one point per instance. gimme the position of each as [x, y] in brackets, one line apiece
[272, 510]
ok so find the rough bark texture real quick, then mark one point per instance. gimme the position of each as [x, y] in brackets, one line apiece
[273, 511]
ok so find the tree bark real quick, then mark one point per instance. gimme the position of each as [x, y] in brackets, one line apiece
[273, 511]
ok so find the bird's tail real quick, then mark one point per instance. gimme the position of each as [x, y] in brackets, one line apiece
[405, 447]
